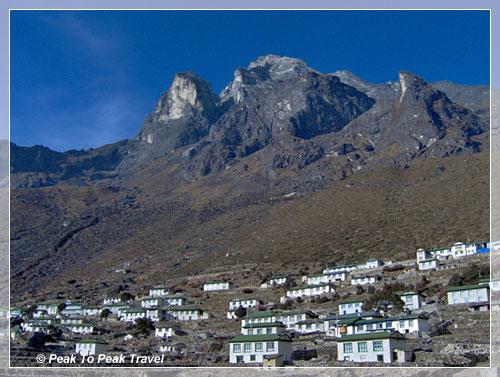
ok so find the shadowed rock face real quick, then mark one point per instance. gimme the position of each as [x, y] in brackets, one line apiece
[291, 114]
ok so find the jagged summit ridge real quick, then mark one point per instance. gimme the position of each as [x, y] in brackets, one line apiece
[188, 96]
[293, 116]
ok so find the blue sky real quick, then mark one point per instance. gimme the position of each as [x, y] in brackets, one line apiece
[82, 79]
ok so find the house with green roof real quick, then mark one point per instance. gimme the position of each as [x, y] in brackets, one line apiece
[249, 349]
[220, 285]
[350, 306]
[468, 294]
[288, 318]
[81, 328]
[382, 346]
[131, 314]
[263, 328]
[91, 347]
[160, 291]
[308, 291]
[412, 300]
[186, 313]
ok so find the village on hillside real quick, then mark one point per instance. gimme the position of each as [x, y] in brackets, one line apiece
[430, 311]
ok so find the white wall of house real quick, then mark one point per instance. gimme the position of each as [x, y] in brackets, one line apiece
[362, 280]
[216, 286]
[350, 307]
[370, 350]
[412, 301]
[253, 352]
[89, 349]
[312, 290]
[246, 303]
[458, 250]
[164, 331]
[428, 264]
[481, 294]
[81, 328]
[309, 327]
[159, 291]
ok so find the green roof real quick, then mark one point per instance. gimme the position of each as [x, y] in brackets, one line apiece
[264, 324]
[371, 336]
[345, 265]
[351, 301]
[260, 338]
[465, 288]
[309, 286]
[160, 287]
[182, 308]
[276, 313]
[216, 282]
[134, 310]
[372, 260]
[428, 260]
[278, 277]
[390, 319]
[95, 341]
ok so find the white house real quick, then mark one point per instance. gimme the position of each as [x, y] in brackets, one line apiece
[72, 320]
[423, 255]
[81, 328]
[91, 310]
[151, 302]
[159, 291]
[288, 318]
[116, 308]
[373, 263]
[412, 300]
[165, 330]
[186, 313]
[253, 348]
[172, 347]
[382, 346]
[263, 328]
[350, 306]
[409, 324]
[468, 294]
[216, 286]
[471, 249]
[174, 300]
[50, 308]
[244, 302]
[35, 326]
[111, 300]
[309, 290]
[458, 250]
[72, 309]
[336, 269]
[309, 326]
[89, 347]
[441, 253]
[131, 314]
[278, 280]
[326, 278]
[336, 325]
[362, 280]
[428, 264]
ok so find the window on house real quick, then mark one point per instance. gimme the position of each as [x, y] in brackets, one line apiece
[380, 326]
[236, 347]
[378, 345]
[269, 346]
[247, 347]
[347, 347]
[401, 324]
[252, 357]
[369, 326]
[410, 323]
[269, 331]
[362, 347]
[259, 347]
[259, 331]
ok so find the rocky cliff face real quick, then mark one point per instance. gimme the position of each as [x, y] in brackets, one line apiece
[289, 115]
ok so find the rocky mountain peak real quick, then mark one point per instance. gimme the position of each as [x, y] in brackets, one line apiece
[409, 80]
[188, 96]
[269, 67]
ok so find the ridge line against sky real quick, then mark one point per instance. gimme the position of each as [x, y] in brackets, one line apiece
[114, 102]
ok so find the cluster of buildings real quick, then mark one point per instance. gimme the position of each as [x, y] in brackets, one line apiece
[267, 336]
